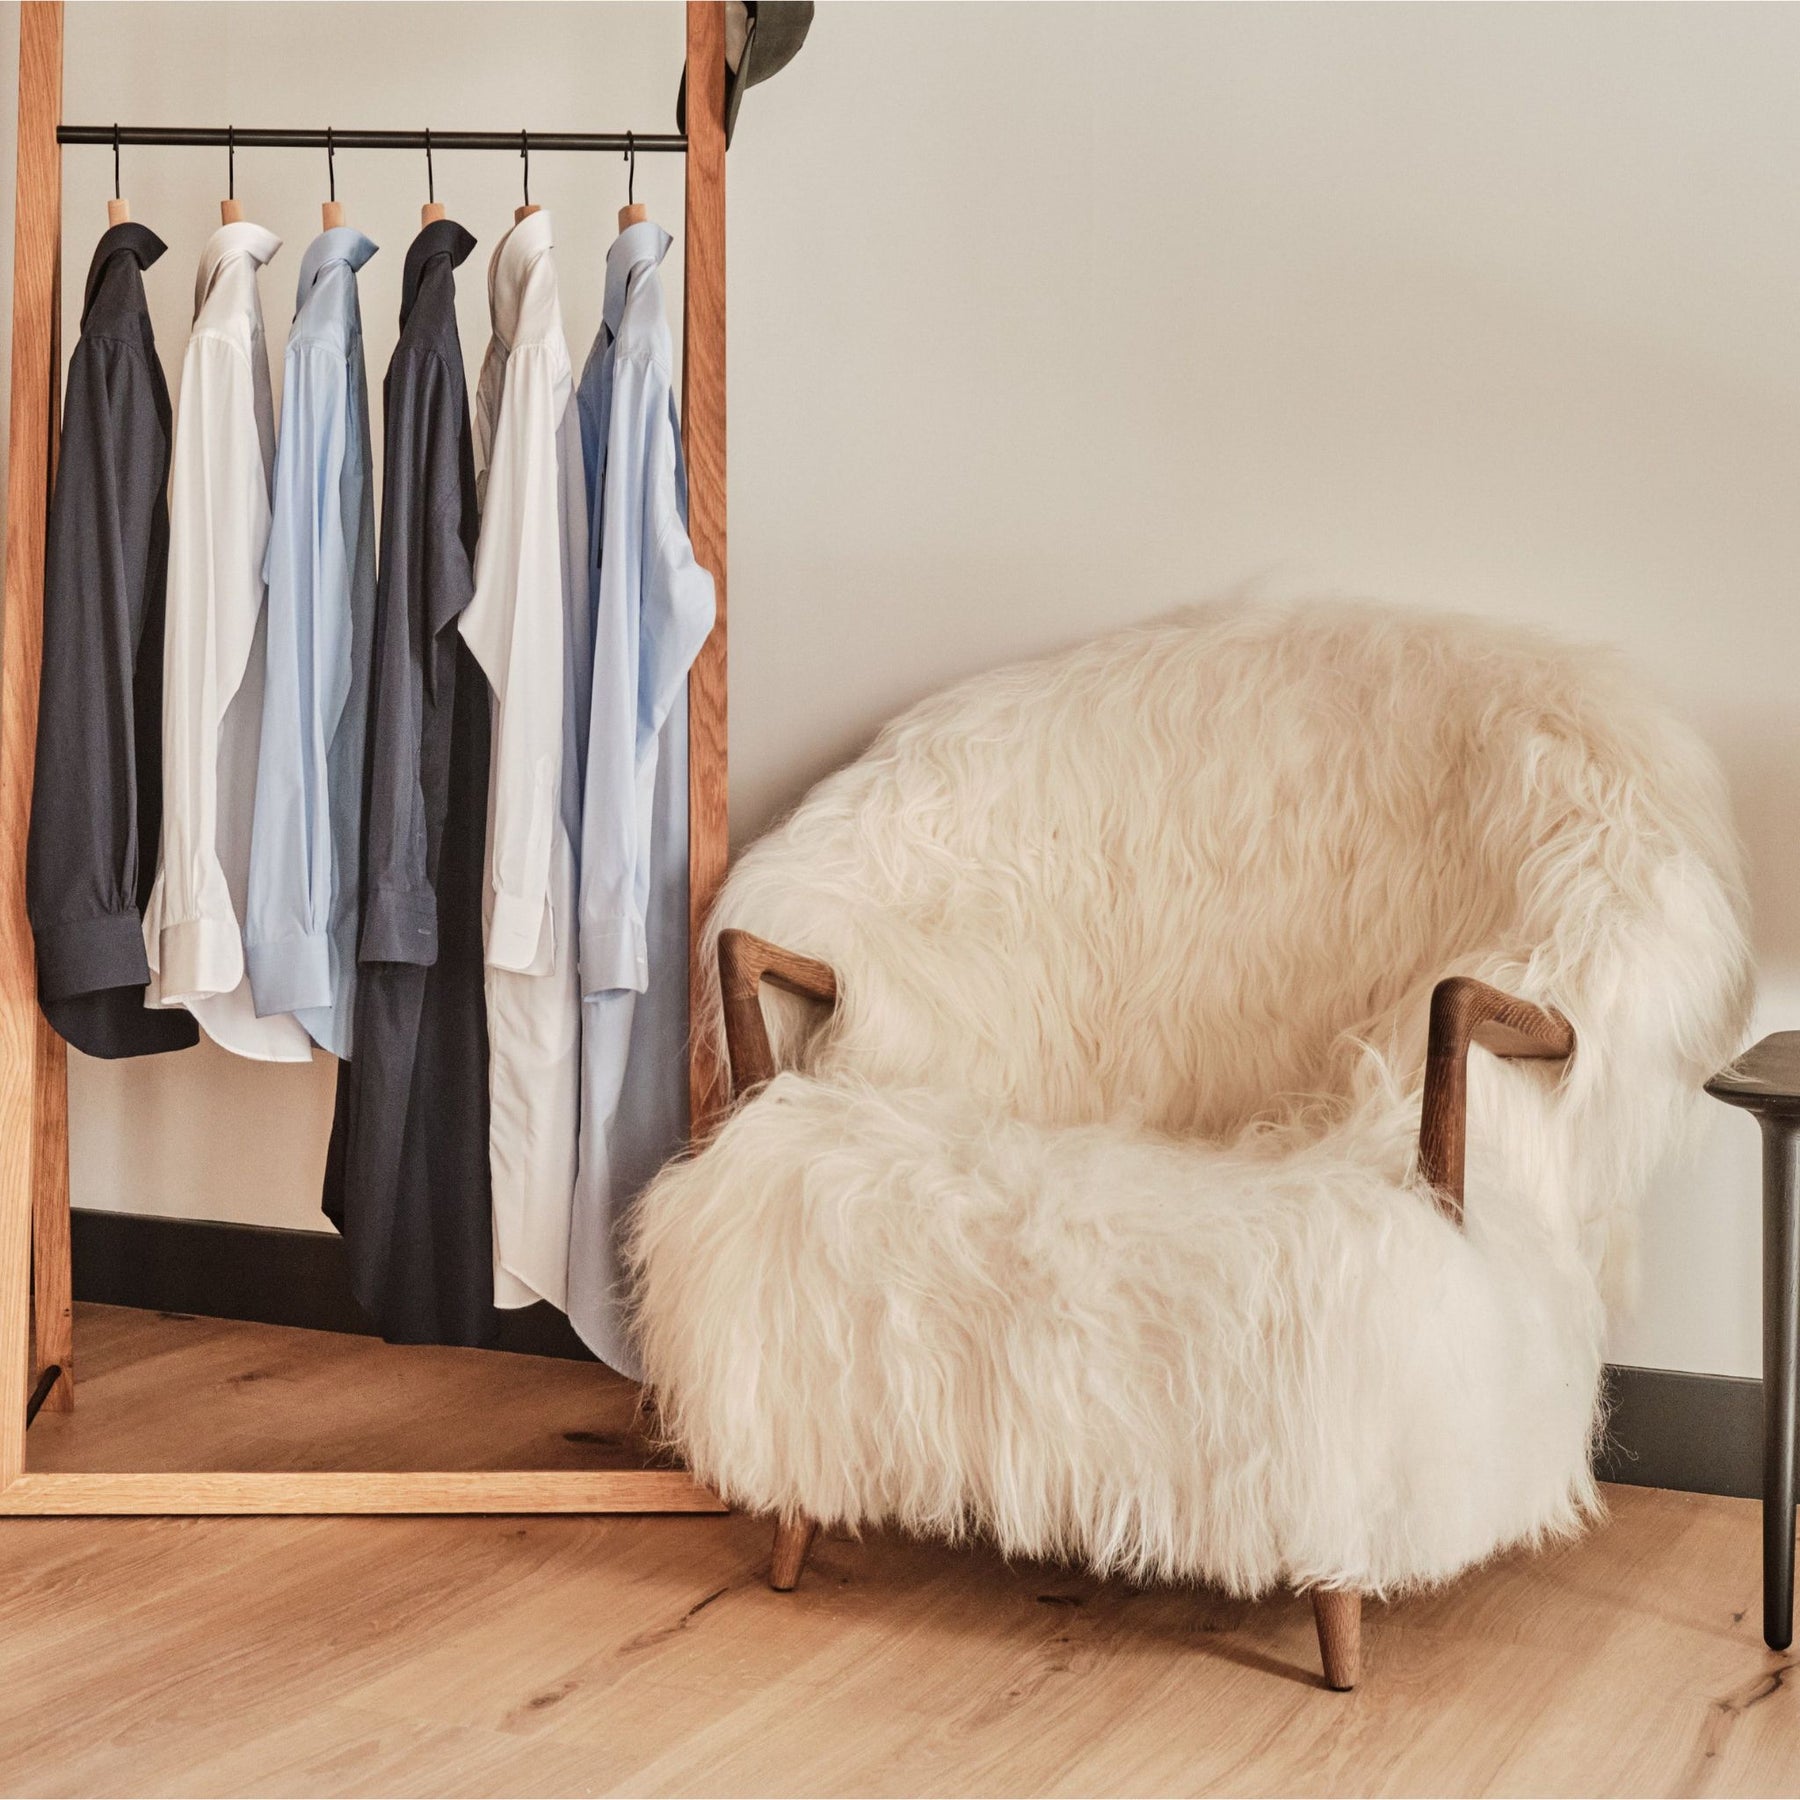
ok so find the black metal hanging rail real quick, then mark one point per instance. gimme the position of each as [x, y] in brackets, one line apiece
[245, 137]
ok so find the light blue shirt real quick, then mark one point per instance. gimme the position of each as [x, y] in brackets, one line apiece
[300, 922]
[653, 607]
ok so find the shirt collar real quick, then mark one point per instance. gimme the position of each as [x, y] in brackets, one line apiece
[138, 242]
[513, 257]
[342, 243]
[442, 237]
[644, 242]
[242, 239]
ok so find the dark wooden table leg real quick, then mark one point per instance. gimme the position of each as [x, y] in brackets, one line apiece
[1781, 1368]
[1765, 1082]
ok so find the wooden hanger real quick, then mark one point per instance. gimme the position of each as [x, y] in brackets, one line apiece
[633, 212]
[331, 214]
[118, 211]
[431, 211]
[525, 211]
[231, 211]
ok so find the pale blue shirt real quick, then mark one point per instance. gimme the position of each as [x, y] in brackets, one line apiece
[300, 923]
[653, 607]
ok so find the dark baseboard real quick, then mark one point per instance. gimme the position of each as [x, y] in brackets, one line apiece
[256, 1272]
[1702, 1433]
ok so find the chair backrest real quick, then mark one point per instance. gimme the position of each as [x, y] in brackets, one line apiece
[1206, 873]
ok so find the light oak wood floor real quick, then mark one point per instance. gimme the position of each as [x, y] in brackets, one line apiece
[585, 1656]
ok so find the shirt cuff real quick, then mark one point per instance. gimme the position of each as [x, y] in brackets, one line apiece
[521, 936]
[399, 926]
[197, 957]
[290, 974]
[85, 956]
[614, 956]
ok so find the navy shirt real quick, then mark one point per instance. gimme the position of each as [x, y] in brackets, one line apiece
[96, 804]
[407, 1179]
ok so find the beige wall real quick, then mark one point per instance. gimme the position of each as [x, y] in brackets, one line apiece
[1047, 318]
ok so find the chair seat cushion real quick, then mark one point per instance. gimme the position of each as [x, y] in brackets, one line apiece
[1273, 1361]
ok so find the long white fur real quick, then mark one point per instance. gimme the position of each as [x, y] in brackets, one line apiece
[1090, 1220]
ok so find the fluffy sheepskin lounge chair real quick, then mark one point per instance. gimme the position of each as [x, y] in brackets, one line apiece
[1092, 1210]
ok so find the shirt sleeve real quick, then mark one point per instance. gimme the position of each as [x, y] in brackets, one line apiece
[680, 601]
[656, 607]
[82, 860]
[305, 683]
[218, 531]
[426, 584]
[514, 626]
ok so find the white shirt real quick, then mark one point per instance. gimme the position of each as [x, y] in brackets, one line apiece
[527, 627]
[213, 637]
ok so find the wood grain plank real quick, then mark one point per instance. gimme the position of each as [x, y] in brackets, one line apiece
[84, 1493]
[273, 1397]
[703, 435]
[219, 1416]
[52, 1270]
[37, 249]
[52, 1273]
[646, 1656]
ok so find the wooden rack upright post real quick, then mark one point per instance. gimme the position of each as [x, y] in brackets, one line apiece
[36, 1309]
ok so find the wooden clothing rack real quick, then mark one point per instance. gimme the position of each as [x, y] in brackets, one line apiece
[36, 1308]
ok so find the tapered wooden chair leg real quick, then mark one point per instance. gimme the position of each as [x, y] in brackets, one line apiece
[1338, 1614]
[793, 1538]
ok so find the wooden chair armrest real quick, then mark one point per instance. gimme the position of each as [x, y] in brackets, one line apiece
[745, 963]
[1465, 1011]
